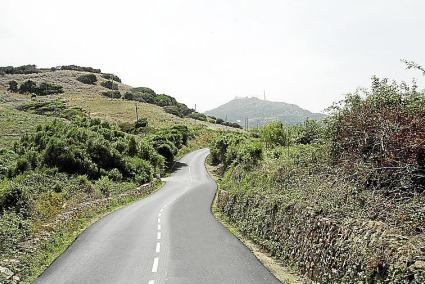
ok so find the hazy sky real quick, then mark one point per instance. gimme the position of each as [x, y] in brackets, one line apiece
[207, 52]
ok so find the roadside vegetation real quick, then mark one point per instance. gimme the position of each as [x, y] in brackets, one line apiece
[341, 200]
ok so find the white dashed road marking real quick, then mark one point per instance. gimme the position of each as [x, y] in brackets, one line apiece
[158, 236]
[158, 247]
[155, 264]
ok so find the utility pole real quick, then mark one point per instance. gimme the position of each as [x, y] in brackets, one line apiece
[137, 113]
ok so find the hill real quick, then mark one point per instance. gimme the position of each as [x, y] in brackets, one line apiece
[260, 112]
[105, 97]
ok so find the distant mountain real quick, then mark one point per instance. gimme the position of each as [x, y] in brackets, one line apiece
[260, 112]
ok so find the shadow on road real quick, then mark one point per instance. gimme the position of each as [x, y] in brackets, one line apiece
[177, 166]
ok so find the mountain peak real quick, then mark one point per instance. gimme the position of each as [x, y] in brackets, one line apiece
[259, 112]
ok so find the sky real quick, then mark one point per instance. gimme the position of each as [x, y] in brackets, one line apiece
[206, 52]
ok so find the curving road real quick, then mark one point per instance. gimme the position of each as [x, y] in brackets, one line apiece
[168, 237]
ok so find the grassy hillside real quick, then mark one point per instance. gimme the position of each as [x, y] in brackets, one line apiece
[90, 98]
[341, 202]
[260, 112]
[69, 158]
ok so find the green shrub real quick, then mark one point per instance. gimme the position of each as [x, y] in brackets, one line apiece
[13, 86]
[45, 89]
[14, 197]
[132, 146]
[14, 228]
[144, 171]
[104, 185]
[249, 154]
[28, 86]
[381, 131]
[167, 151]
[80, 68]
[198, 116]
[141, 123]
[115, 175]
[128, 96]
[89, 79]
[274, 134]
[309, 132]
[112, 94]
[143, 90]
[111, 77]
[109, 85]
[219, 121]
[25, 69]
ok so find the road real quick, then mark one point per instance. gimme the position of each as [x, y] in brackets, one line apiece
[169, 237]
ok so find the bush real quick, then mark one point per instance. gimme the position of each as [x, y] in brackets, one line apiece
[28, 86]
[198, 116]
[143, 170]
[14, 228]
[112, 94]
[166, 150]
[309, 132]
[232, 124]
[14, 197]
[377, 136]
[115, 175]
[174, 110]
[45, 89]
[109, 85]
[141, 123]
[143, 90]
[25, 69]
[90, 79]
[13, 86]
[249, 154]
[111, 77]
[128, 96]
[80, 68]
[274, 134]
[104, 185]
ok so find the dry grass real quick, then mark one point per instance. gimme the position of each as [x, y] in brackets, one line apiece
[15, 123]
[90, 99]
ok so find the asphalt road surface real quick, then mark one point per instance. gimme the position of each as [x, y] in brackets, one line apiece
[168, 237]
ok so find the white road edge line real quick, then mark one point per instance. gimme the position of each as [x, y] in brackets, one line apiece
[158, 236]
[155, 264]
[158, 247]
